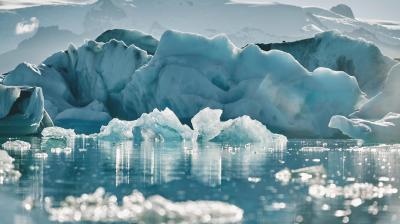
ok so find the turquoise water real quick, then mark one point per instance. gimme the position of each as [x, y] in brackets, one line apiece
[244, 176]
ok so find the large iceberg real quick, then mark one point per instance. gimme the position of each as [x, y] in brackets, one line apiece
[188, 73]
[191, 72]
[85, 81]
[336, 51]
[378, 120]
[22, 110]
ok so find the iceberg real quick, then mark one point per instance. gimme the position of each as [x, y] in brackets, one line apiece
[22, 110]
[191, 72]
[378, 120]
[208, 127]
[131, 37]
[188, 73]
[338, 52]
[56, 137]
[343, 10]
[135, 208]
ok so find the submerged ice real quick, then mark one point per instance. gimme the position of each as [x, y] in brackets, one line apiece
[135, 208]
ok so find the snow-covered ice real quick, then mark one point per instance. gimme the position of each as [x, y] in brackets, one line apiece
[135, 208]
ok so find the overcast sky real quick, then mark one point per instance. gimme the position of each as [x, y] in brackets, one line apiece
[366, 9]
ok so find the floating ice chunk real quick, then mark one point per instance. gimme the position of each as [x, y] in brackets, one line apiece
[7, 172]
[208, 126]
[385, 130]
[58, 133]
[117, 130]
[136, 208]
[56, 137]
[17, 145]
[160, 126]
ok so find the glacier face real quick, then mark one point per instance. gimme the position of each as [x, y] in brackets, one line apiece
[336, 51]
[22, 110]
[187, 73]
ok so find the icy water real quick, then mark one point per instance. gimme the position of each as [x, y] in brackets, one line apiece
[325, 191]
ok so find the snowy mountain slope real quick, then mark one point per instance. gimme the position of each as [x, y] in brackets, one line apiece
[188, 73]
[35, 49]
[261, 23]
[333, 50]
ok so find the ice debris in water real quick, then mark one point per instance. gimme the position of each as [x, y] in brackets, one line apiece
[165, 126]
[7, 172]
[355, 191]
[308, 175]
[56, 137]
[135, 208]
[208, 126]
[58, 133]
[17, 145]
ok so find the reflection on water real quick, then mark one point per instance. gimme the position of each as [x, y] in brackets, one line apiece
[244, 176]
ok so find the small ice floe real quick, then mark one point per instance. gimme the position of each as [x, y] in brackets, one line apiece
[58, 133]
[135, 208]
[40, 155]
[56, 137]
[58, 151]
[314, 149]
[358, 191]
[17, 145]
[308, 175]
[7, 172]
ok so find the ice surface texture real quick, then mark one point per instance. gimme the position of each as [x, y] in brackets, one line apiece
[188, 73]
[22, 110]
[136, 208]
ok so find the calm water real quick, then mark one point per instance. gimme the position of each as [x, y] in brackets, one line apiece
[242, 176]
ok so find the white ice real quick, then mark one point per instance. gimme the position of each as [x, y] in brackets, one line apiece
[17, 145]
[7, 171]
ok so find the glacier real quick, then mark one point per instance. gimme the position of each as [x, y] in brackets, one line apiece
[22, 110]
[188, 73]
